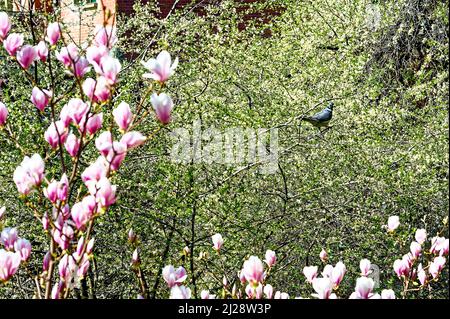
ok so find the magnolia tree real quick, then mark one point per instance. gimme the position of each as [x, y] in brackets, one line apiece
[67, 200]
[67, 203]
[417, 269]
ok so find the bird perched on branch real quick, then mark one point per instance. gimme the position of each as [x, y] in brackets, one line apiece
[322, 118]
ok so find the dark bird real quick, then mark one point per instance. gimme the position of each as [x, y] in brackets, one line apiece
[322, 118]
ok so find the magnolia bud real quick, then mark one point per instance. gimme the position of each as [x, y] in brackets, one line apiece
[45, 221]
[90, 246]
[131, 236]
[323, 255]
[135, 260]
[46, 261]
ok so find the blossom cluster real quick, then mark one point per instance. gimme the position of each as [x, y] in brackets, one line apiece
[254, 276]
[14, 250]
[76, 119]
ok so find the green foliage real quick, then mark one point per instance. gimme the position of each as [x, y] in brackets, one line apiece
[385, 154]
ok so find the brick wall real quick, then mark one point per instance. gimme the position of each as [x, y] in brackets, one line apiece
[92, 15]
[81, 20]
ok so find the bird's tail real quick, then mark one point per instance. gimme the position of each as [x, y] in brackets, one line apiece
[309, 119]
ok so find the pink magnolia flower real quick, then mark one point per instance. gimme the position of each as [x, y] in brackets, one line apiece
[12, 43]
[84, 266]
[310, 273]
[66, 267]
[68, 55]
[46, 261]
[56, 290]
[40, 98]
[110, 68]
[102, 90]
[250, 291]
[327, 271]
[132, 139]
[364, 265]
[51, 191]
[421, 236]
[364, 288]
[8, 237]
[80, 249]
[323, 255]
[95, 171]
[60, 190]
[53, 33]
[217, 241]
[393, 223]
[337, 274]
[401, 267]
[56, 133]
[259, 292]
[5, 25]
[270, 258]
[281, 295]
[180, 292]
[9, 263]
[206, 295]
[172, 276]
[116, 155]
[421, 275]
[97, 91]
[439, 245]
[94, 123]
[89, 86]
[26, 56]
[123, 116]
[61, 213]
[106, 193]
[323, 288]
[60, 222]
[3, 114]
[253, 270]
[77, 110]
[103, 143]
[163, 105]
[72, 145]
[63, 236]
[161, 68]
[105, 36]
[81, 67]
[94, 54]
[415, 249]
[42, 51]
[29, 173]
[268, 291]
[387, 294]
[82, 212]
[65, 115]
[408, 259]
[241, 276]
[444, 248]
[436, 266]
[23, 248]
